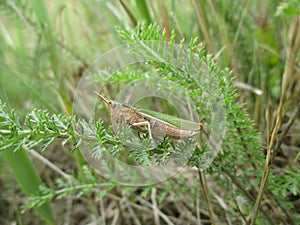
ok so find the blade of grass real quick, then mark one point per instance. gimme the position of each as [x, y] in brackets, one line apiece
[204, 188]
[144, 10]
[202, 25]
[165, 18]
[28, 179]
[47, 33]
[129, 13]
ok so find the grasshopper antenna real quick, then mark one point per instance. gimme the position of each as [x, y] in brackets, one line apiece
[100, 96]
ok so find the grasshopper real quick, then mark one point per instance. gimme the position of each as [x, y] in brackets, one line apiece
[150, 121]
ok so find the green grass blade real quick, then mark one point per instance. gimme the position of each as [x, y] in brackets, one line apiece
[28, 179]
[47, 32]
[144, 10]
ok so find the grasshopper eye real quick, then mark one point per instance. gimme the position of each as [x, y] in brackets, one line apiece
[112, 104]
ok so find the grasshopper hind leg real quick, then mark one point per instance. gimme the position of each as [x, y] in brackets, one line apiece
[144, 123]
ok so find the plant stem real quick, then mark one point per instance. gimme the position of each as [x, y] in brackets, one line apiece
[289, 72]
[204, 189]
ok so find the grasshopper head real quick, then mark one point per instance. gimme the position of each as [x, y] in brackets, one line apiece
[112, 107]
[111, 104]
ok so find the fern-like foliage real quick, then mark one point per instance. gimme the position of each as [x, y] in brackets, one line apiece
[191, 68]
[194, 70]
[39, 130]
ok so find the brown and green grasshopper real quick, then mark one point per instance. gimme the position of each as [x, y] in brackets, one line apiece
[150, 121]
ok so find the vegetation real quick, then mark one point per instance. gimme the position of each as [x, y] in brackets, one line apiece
[234, 66]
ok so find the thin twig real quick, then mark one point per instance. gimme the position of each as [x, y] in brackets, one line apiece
[198, 208]
[102, 212]
[50, 165]
[116, 218]
[204, 189]
[161, 214]
[284, 132]
[154, 203]
[240, 212]
[129, 13]
[132, 213]
[248, 87]
[146, 207]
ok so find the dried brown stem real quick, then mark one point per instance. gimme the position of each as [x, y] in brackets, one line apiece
[204, 189]
[288, 77]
